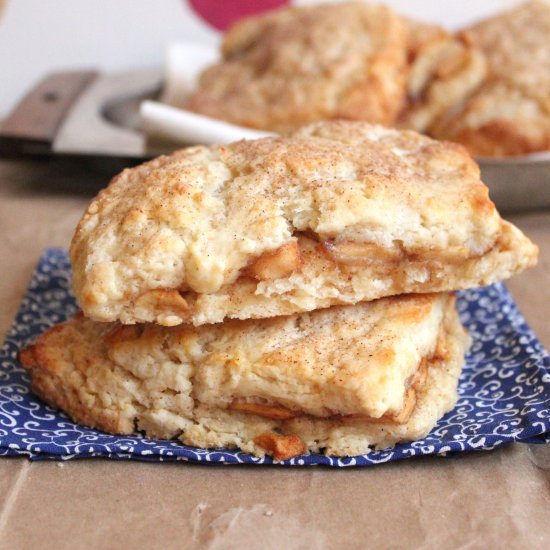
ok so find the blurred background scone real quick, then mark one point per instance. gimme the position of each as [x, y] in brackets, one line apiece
[486, 86]
[443, 71]
[299, 65]
[509, 114]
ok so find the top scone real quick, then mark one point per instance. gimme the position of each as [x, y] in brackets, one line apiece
[338, 212]
[303, 64]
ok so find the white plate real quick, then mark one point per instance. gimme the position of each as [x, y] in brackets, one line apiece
[163, 120]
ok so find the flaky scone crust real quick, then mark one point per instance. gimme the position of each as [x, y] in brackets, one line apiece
[337, 212]
[303, 64]
[186, 383]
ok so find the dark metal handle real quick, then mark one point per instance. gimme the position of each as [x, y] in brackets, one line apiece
[33, 124]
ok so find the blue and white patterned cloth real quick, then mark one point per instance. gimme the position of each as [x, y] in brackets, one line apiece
[504, 391]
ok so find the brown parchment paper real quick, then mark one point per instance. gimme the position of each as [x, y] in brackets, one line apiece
[498, 499]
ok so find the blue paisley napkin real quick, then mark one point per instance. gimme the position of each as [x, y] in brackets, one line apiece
[504, 391]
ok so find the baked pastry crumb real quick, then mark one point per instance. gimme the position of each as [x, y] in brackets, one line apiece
[281, 447]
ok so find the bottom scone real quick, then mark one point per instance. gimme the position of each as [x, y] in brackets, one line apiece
[340, 381]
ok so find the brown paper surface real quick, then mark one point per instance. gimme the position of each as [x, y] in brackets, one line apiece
[498, 499]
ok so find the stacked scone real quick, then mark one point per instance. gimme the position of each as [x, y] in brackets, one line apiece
[280, 296]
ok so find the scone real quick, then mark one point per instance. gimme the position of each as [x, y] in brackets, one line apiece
[510, 113]
[443, 72]
[335, 213]
[303, 64]
[342, 380]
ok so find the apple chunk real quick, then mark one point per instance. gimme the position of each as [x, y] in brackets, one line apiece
[276, 264]
[360, 253]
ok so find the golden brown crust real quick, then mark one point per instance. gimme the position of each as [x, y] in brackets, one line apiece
[503, 138]
[303, 64]
[46, 360]
[414, 384]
